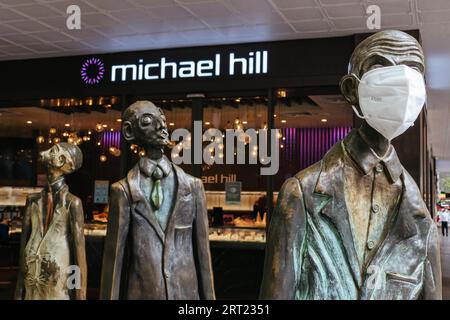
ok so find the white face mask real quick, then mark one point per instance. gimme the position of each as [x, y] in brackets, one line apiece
[391, 99]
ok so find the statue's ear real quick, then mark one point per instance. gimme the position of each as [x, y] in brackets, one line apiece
[66, 164]
[127, 131]
[60, 161]
[349, 89]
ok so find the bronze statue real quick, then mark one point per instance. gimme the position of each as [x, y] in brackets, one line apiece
[354, 225]
[157, 244]
[52, 254]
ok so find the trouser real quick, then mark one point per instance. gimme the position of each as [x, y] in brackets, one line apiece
[444, 226]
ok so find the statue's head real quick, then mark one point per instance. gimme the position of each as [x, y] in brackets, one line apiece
[382, 49]
[64, 157]
[144, 124]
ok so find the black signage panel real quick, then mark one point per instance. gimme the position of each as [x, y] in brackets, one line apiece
[293, 63]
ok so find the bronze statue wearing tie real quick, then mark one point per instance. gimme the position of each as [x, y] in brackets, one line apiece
[157, 244]
[52, 253]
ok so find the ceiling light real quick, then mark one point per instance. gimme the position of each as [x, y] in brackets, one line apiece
[40, 139]
[119, 120]
[98, 127]
[29, 122]
[281, 93]
[207, 123]
[283, 121]
[171, 124]
[244, 122]
[324, 120]
[67, 125]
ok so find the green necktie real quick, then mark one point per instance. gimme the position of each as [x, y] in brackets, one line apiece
[157, 193]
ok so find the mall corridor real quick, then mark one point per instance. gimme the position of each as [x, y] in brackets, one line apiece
[445, 264]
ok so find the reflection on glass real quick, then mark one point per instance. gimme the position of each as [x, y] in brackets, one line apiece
[249, 212]
[309, 127]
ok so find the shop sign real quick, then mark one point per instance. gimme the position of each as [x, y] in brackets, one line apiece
[101, 190]
[219, 178]
[233, 192]
[255, 62]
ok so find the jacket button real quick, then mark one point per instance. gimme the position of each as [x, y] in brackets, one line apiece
[375, 208]
[379, 168]
[370, 244]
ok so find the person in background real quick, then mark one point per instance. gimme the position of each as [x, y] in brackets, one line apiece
[443, 217]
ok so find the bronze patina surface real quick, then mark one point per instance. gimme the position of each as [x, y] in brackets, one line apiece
[52, 241]
[157, 244]
[354, 225]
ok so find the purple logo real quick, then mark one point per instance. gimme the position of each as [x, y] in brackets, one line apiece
[92, 71]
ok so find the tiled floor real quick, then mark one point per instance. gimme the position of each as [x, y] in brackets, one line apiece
[445, 265]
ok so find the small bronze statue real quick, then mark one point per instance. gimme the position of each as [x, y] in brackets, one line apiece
[354, 225]
[157, 244]
[52, 254]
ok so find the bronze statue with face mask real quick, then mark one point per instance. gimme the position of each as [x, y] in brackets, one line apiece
[157, 244]
[354, 225]
[52, 262]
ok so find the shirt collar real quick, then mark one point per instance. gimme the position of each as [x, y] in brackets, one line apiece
[147, 165]
[57, 185]
[364, 156]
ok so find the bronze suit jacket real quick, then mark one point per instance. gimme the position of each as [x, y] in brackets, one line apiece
[311, 253]
[140, 260]
[46, 258]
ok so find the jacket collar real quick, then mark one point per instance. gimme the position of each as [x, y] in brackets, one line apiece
[147, 165]
[57, 185]
[60, 202]
[330, 182]
[366, 158]
[142, 205]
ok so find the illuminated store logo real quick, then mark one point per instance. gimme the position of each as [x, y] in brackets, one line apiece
[255, 62]
[92, 71]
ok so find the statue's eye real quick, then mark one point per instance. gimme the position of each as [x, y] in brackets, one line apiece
[146, 120]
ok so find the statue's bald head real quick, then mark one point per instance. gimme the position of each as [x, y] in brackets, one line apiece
[392, 45]
[382, 49]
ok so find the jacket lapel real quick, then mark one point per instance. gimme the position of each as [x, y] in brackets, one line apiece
[403, 225]
[59, 205]
[182, 200]
[142, 205]
[39, 209]
[329, 200]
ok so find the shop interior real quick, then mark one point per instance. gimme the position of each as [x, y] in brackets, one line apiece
[307, 126]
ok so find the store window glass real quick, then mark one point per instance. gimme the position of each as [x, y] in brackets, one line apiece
[248, 208]
[309, 127]
[92, 123]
